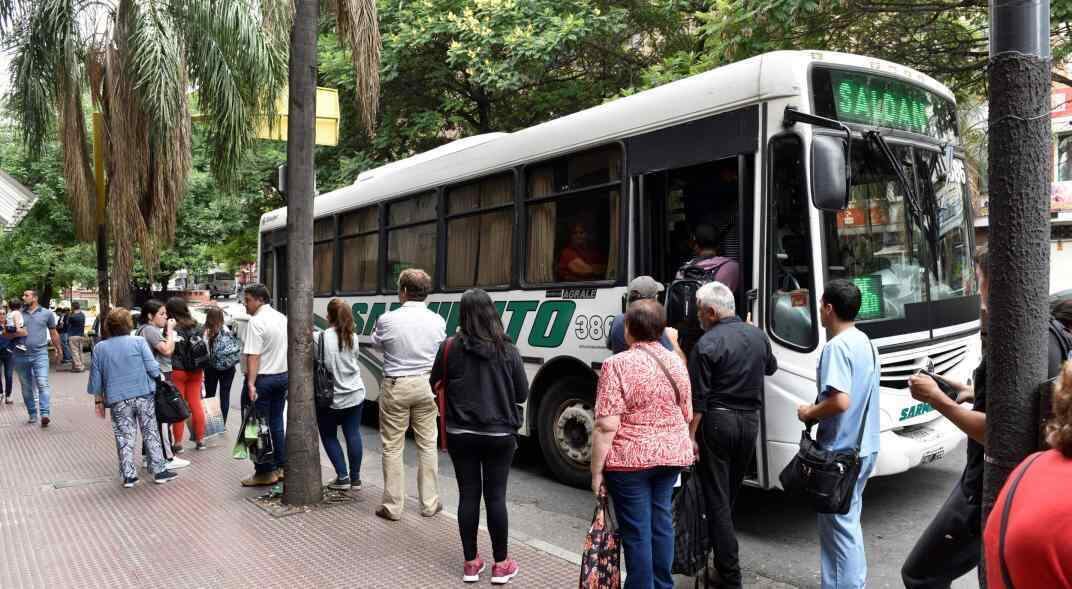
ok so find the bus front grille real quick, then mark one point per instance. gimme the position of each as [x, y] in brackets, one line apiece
[941, 359]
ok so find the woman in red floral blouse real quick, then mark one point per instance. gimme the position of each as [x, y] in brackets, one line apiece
[641, 443]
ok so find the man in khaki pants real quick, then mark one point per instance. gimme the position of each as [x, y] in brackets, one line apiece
[410, 337]
[76, 330]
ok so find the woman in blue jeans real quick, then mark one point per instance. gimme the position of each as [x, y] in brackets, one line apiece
[340, 357]
[641, 443]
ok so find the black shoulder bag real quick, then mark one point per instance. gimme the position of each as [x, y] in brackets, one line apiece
[824, 477]
[323, 379]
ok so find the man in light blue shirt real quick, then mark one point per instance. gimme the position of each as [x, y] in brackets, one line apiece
[39, 326]
[848, 382]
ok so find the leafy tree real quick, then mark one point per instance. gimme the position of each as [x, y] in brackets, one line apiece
[454, 68]
[947, 39]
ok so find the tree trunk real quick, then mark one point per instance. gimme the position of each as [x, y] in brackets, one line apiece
[303, 482]
[1020, 165]
[103, 294]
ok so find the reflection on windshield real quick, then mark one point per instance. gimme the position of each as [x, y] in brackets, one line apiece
[877, 243]
[872, 242]
[948, 190]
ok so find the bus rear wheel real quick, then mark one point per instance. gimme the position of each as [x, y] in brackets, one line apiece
[566, 421]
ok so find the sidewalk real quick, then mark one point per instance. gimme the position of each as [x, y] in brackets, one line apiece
[65, 521]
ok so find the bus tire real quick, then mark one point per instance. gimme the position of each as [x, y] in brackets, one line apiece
[566, 420]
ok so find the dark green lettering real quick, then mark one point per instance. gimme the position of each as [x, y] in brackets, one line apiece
[552, 321]
[359, 310]
[518, 311]
[374, 314]
[452, 321]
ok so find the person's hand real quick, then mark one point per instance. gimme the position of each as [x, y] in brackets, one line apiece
[802, 413]
[252, 391]
[925, 390]
[99, 408]
[170, 324]
[671, 334]
[748, 319]
[597, 484]
[695, 449]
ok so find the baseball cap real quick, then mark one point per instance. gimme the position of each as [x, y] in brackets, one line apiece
[644, 287]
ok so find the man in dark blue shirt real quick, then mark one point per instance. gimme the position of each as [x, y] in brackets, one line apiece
[640, 288]
[727, 367]
[76, 332]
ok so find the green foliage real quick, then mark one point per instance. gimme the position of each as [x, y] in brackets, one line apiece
[41, 251]
[454, 68]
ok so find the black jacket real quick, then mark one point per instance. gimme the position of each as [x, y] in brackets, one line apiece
[485, 387]
[727, 367]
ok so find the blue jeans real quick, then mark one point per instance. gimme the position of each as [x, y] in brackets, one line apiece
[841, 539]
[7, 361]
[32, 368]
[65, 343]
[271, 398]
[328, 421]
[642, 507]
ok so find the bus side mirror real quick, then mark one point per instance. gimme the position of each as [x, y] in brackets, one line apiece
[830, 166]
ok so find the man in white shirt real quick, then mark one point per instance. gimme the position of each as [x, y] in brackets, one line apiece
[265, 351]
[410, 337]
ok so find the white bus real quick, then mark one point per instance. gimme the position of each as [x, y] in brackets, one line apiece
[622, 185]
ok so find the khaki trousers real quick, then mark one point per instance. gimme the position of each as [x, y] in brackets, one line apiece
[408, 402]
[75, 343]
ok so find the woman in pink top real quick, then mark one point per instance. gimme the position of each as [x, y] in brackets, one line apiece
[642, 442]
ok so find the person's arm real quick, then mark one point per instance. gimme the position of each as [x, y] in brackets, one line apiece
[253, 348]
[437, 367]
[772, 362]
[836, 403]
[152, 367]
[969, 421]
[835, 378]
[602, 439]
[520, 379]
[95, 386]
[699, 377]
[672, 335]
[380, 334]
[253, 364]
[56, 342]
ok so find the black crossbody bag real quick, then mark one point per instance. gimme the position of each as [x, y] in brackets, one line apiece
[826, 478]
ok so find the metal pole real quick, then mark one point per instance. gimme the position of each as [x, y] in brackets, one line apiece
[303, 482]
[1020, 167]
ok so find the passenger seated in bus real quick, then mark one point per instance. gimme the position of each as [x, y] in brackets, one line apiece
[705, 247]
[580, 261]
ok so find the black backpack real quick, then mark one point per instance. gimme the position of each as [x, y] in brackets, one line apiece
[681, 298]
[193, 350]
[1063, 339]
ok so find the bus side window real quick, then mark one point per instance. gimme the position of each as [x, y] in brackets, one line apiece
[791, 279]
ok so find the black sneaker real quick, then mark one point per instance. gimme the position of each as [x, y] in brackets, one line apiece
[355, 485]
[340, 484]
[177, 449]
[200, 446]
[164, 476]
[130, 482]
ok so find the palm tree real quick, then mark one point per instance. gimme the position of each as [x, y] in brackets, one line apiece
[145, 65]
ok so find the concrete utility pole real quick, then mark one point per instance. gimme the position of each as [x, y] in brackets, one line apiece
[1020, 169]
[303, 483]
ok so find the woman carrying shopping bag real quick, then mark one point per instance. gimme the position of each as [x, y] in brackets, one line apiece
[641, 443]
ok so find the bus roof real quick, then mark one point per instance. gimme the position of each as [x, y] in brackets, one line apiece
[764, 77]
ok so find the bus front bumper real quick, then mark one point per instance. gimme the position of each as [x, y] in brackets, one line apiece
[914, 446]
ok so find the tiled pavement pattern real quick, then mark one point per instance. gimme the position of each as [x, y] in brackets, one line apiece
[65, 521]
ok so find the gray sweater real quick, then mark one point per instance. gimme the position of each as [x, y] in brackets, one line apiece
[349, 388]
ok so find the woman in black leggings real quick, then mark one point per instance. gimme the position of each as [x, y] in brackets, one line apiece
[485, 386]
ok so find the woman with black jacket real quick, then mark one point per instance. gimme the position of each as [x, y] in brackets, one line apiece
[485, 386]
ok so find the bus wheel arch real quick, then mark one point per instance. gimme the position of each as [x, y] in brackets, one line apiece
[564, 417]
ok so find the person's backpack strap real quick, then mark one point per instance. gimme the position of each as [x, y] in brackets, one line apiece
[1005, 576]
[441, 396]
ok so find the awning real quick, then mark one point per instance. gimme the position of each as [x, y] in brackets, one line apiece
[15, 200]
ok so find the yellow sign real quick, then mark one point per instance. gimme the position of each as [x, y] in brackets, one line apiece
[327, 118]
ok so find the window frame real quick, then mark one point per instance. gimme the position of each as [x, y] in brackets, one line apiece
[386, 229]
[440, 283]
[339, 237]
[770, 230]
[623, 217]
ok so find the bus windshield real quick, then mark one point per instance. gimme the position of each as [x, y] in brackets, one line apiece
[877, 243]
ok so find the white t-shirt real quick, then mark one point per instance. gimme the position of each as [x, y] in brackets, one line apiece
[266, 337]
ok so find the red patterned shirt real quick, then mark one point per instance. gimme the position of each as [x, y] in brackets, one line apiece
[654, 428]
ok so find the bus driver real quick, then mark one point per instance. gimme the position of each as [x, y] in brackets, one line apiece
[579, 260]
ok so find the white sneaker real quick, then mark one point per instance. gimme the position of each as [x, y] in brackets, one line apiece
[177, 462]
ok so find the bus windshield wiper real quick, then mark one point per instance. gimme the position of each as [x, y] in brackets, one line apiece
[926, 222]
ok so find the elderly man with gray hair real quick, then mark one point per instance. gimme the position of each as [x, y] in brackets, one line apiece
[727, 367]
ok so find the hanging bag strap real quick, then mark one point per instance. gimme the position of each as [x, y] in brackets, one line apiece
[441, 396]
[666, 371]
[1005, 576]
[867, 405]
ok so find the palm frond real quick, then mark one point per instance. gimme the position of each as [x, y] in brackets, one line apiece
[358, 27]
[78, 177]
[153, 61]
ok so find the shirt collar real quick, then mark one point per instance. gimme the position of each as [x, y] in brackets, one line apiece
[418, 304]
[730, 319]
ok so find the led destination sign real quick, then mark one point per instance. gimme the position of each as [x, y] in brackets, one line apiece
[880, 101]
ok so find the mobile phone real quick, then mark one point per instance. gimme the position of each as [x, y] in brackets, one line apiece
[943, 384]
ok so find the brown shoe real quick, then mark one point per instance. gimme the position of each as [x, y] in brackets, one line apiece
[434, 512]
[261, 479]
[384, 514]
[45, 421]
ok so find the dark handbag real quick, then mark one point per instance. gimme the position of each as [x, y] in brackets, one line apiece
[440, 390]
[692, 539]
[171, 407]
[602, 554]
[323, 379]
[823, 477]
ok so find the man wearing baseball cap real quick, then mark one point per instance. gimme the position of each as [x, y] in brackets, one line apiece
[640, 288]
